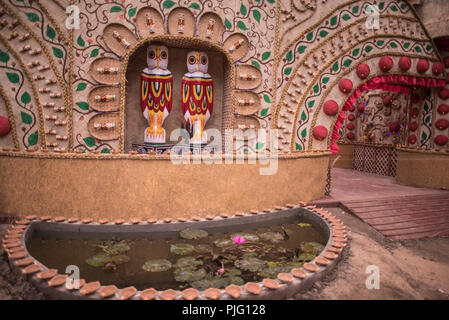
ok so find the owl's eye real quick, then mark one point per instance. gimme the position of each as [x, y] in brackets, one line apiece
[151, 54]
[192, 60]
[164, 55]
[203, 60]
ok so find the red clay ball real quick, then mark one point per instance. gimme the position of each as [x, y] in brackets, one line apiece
[361, 108]
[363, 71]
[395, 127]
[330, 107]
[414, 113]
[444, 94]
[437, 68]
[405, 63]
[351, 117]
[5, 126]
[422, 66]
[387, 101]
[386, 64]
[441, 140]
[345, 85]
[320, 133]
[442, 124]
[413, 126]
[350, 136]
[350, 126]
[412, 139]
[443, 109]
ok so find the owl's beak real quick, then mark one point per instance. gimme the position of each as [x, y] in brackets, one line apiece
[198, 60]
[158, 56]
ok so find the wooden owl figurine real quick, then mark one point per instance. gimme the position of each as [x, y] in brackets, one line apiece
[197, 95]
[156, 96]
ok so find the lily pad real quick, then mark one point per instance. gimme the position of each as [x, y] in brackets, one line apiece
[272, 236]
[193, 234]
[252, 264]
[114, 247]
[188, 275]
[222, 243]
[203, 248]
[306, 257]
[102, 260]
[248, 236]
[188, 263]
[157, 265]
[232, 272]
[237, 281]
[201, 284]
[272, 272]
[312, 247]
[182, 249]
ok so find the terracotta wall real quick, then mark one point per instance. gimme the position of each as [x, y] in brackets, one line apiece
[421, 169]
[124, 188]
[347, 156]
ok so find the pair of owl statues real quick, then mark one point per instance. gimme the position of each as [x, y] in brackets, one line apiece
[156, 98]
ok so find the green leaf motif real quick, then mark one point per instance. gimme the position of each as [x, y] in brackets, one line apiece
[335, 67]
[32, 138]
[311, 104]
[304, 133]
[195, 6]
[58, 52]
[287, 71]
[271, 1]
[168, 4]
[266, 55]
[316, 88]
[81, 41]
[83, 105]
[264, 112]
[418, 49]
[423, 137]
[115, 9]
[241, 25]
[346, 17]
[228, 24]
[325, 80]
[81, 86]
[298, 147]
[428, 47]
[301, 49]
[394, 8]
[26, 98]
[94, 53]
[381, 5]
[347, 63]
[12, 77]
[259, 145]
[289, 56]
[356, 52]
[243, 10]
[89, 141]
[4, 57]
[256, 64]
[404, 6]
[105, 150]
[406, 45]
[323, 33]
[303, 116]
[355, 9]
[32, 16]
[51, 33]
[256, 15]
[266, 98]
[309, 36]
[132, 12]
[26, 118]
[393, 45]
[334, 20]
[368, 49]
[380, 43]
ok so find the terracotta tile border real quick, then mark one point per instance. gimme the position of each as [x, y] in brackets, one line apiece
[285, 285]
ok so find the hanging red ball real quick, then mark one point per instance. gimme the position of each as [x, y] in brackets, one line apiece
[350, 126]
[422, 66]
[444, 94]
[363, 71]
[412, 139]
[443, 109]
[441, 140]
[5, 126]
[351, 117]
[361, 108]
[414, 113]
[442, 124]
[437, 68]
[320, 133]
[345, 85]
[330, 107]
[413, 126]
[416, 98]
[386, 64]
[405, 63]
[350, 136]
[387, 100]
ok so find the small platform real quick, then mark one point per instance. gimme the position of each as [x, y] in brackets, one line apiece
[173, 148]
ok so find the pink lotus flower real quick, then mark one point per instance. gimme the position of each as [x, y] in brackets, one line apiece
[239, 240]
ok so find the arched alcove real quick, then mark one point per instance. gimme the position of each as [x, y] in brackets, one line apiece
[220, 68]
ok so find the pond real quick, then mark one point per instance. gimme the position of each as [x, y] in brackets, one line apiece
[190, 258]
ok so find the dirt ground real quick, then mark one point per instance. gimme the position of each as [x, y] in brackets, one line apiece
[412, 269]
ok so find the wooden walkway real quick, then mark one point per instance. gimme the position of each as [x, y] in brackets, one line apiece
[398, 212]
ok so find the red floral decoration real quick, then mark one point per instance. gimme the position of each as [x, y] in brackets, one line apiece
[413, 126]
[441, 140]
[437, 68]
[387, 100]
[395, 127]
[351, 117]
[443, 109]
[320, 133]
[442, 124]
[363, 71]
[330, 107]
[350, 126]
[386, 64]
[422, 66]
[361, 108]
[412, 139]
[414, 113]
[350, 136]
[405, 63]
[345, 85]
[5, 126]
